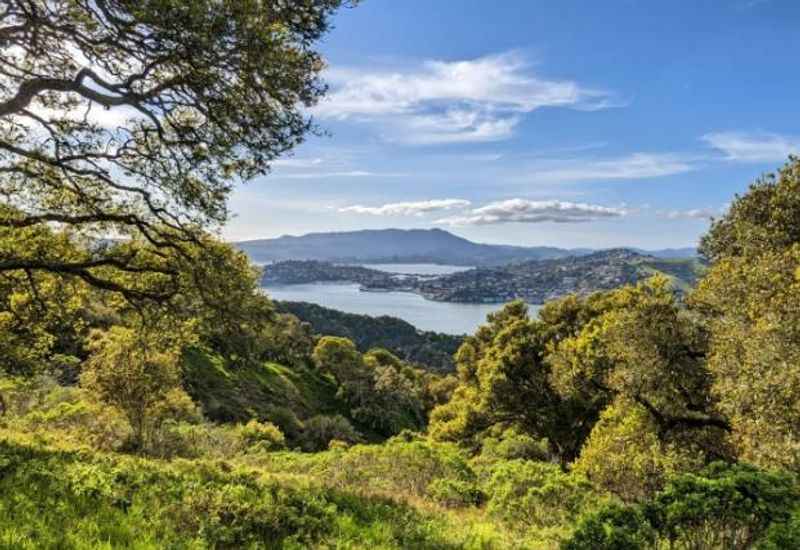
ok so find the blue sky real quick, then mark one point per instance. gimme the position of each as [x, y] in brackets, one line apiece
[569, 123]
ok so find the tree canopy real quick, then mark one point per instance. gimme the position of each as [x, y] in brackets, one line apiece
[134, 119]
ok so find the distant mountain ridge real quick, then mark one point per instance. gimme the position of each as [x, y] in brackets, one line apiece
[435, 246]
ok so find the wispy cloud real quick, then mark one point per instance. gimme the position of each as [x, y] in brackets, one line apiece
[691, 214]
[633, 166]
[480, 99]
[344, 174]
[298, 162]
[753, 147]
[408, 208]
[526, 211]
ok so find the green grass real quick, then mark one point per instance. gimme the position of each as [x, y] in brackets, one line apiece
[238, 393]
[64, 498]
[683, 272]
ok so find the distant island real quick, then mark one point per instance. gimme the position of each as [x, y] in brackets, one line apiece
[433, 246]
[534, 281]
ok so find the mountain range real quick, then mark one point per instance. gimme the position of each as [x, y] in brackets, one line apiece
[435, 246]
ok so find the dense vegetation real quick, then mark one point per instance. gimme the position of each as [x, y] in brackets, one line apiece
[628, 418]
[431, 350]
[152, 397]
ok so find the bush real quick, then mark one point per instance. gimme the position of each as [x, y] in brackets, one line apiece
[625, 456]
[205, 440]
[40, 405]
[527, 494]
[612, 528]
[782, 535]
[258, 436]
[402, 467]
[134, 373]
[455, 493]
[725, 506]
[730, 507]
[320, 430]
[286, 420]
[510, 445]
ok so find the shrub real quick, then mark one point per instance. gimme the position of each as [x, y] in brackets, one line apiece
[40, 405]
[510, 445]
[725, 506]
[401, 467]
[782, 535]
[625, 456]
[133, 374]
[320, 430]
[258, 436]
[612, 528]
[455, 493]
[730, 507]
[528, 494]
[286, 420]
[338, 445]
[205, 440]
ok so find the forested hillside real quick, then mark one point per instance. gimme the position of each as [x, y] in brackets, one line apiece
[430, 350]
[152, 396]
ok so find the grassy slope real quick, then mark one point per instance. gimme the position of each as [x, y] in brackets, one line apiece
[684, 273]
[229, 393]
[73, 498]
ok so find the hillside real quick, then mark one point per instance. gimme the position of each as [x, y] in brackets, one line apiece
[428, 349]
[392, 246]
[534, 281]
[539, 281]
[434, 246]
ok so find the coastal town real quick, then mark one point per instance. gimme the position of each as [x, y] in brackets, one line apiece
[532, 281]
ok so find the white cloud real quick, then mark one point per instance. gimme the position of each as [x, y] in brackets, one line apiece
[456, 126]
[452, 101]
[344, 174]
[634, 166]
[526, 211]
[691, 214]
[408, 208]
[753, 147]
[297, 162]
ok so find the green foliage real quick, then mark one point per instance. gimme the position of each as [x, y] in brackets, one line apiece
[408, 466]
[533, 495]
[258, 436]
[765, 219]
[428, 349]
[750, 298]
[43, 319]
[612, 528]
[644, 346]
[40, 406]
[193, 124]
[723, 507]
[782, 535]
[138, 375]
[319, 431]
[504, 380]
[383, 393]
[625, 456]
[510, 445]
